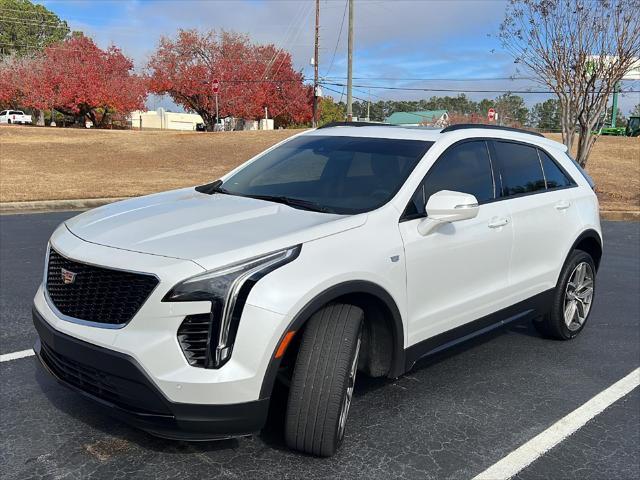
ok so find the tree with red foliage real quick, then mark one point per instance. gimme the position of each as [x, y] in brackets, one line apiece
[86, 81]
[76, 78]
[251, 77]
[9, 92]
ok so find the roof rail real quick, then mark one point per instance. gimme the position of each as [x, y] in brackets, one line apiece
[354, 124]
[466, 126]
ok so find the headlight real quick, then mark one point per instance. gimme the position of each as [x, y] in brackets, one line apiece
[227, 289]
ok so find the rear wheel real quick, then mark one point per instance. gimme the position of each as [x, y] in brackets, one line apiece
[323, 380]
[572, 300]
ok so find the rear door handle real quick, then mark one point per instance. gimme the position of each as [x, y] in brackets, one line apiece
[498, 222]
[562, 205]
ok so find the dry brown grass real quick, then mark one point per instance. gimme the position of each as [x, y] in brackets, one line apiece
[55, 163]
[45, 163]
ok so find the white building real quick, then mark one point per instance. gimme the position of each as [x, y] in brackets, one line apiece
[163, 120]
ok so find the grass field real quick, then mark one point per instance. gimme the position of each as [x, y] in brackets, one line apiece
[55, 164]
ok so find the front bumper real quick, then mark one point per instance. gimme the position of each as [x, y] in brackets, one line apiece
[116, 381]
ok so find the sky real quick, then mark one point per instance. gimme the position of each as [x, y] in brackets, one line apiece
[429, 44]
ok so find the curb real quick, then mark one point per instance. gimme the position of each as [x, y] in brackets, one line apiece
[620, 216]
[42, 206]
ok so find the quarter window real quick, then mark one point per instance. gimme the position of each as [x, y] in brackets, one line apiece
[462, 168]
[555, 177]
[519, 169]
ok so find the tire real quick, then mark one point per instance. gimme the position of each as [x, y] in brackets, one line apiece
[9, 122]
[580, 293]
[322, 383]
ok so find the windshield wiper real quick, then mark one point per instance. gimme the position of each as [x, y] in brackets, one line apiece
[293, 202]
[214, 187]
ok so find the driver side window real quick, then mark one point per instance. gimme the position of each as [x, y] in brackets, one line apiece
[465, 167]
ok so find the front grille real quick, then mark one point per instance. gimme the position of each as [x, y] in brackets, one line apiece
[194, 336]
[96, 294]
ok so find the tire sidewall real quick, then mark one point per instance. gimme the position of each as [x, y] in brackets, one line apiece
[320, 379]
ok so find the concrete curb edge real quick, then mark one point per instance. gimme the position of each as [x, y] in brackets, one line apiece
[41, 206]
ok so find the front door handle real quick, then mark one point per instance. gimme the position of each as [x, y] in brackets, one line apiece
[562, 205]
[498, 222]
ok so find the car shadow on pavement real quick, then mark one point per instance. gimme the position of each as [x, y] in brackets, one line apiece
[74, 405]
[367, 384]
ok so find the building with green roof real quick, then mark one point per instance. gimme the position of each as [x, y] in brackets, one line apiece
[429, 118]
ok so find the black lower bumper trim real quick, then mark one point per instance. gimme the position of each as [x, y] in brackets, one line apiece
[117, 381]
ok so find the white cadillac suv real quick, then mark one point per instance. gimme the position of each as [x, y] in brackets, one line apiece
[347, 248]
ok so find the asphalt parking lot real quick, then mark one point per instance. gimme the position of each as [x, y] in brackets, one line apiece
[451, 417]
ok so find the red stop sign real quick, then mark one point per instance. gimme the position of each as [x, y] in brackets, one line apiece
[491, 113]
[215, 86]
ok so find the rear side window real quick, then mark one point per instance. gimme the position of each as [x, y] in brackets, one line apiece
[554, 176]
[586, 176]
[519, 169]
[462, 168]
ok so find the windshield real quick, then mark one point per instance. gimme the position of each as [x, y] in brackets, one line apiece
[344, 175]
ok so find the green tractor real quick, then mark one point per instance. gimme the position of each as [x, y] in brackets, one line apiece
[610, 128]
[633, 127]
[631, 130]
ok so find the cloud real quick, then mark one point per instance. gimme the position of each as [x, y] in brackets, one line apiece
[423, 31]
[393, 38]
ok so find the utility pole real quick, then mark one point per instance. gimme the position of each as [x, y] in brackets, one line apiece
[369, 107]
[614, 107]
[315, 66]
[350, 65]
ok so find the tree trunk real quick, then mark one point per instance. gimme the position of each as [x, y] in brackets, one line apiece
[585, 142]
[208, 119]
[40, 120]
[92, 116]
[104, 120]
[568, 127]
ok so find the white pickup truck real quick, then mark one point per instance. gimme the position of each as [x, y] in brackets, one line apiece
[14, 116]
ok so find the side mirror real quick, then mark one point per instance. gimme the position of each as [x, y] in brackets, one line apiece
[446, 206]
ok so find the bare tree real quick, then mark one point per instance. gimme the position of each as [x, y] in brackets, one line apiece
[580, 49]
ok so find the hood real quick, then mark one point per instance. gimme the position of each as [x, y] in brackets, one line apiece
[211, 230]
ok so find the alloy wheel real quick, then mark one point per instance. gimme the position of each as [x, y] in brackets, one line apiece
[578, 296]
[346, 402]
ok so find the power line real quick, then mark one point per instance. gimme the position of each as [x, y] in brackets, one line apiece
[342, 93]
[7, 9]
[295, 38]
[36, 23]
[278, 47]
[455, 90]
[417, 79]
[344, 14]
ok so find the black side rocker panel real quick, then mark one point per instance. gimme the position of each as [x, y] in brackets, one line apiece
[117, 381]
[526, 310]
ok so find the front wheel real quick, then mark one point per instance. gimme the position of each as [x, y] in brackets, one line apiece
[323, 380]
[572, 300]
